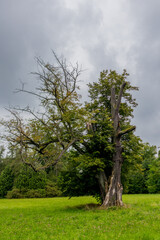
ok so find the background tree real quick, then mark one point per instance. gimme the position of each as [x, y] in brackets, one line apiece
[2, 165]
[138, 174]
[6, 181]
[152, 166]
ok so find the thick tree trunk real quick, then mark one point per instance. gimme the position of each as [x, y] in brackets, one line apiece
[113, 195]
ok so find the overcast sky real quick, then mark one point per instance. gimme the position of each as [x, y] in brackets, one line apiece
[99, 34]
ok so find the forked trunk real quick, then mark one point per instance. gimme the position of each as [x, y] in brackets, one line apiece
[113, 194]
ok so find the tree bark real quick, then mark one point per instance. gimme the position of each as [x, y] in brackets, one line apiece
[103, 184]
[113, 196]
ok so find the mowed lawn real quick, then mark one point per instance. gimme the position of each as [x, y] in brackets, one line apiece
[63, 218]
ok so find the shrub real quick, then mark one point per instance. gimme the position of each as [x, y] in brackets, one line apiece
[31, 193]
[15, 193]
[35, 193]
[52, 190]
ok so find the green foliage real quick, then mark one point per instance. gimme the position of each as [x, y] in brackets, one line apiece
[143, 175]
[35, 193]
[100, 105]
[29, 193]
[14, 193]
[27, 183]
[2, 158]
[29, 179]
[78, 177]
[51, 190]
[153, 181]
[81, 174]
[100, 93]
[136, 183]
[132, 163]
[6, 181]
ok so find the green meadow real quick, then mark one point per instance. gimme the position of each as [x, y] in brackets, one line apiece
[80, 218]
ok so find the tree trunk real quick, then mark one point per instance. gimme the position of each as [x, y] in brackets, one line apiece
[103, 184]
[113, 195]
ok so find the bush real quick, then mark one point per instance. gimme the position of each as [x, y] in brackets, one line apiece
[31, 193]
[52, 190]
[15, 193]
[35, 193]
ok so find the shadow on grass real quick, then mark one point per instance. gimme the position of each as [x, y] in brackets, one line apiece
[94, 206]
[89, 206]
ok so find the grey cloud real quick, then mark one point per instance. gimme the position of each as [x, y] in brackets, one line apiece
[90, 34]
[146, 19]
[33, 27]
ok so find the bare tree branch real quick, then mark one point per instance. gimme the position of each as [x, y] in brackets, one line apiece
[120, 96]
[59, 157]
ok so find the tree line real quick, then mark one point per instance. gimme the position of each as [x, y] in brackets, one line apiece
[75, 176]
[85, 143]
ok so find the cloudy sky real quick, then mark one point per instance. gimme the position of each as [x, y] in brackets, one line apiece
[99, 34]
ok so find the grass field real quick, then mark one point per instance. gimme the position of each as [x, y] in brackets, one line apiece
[61, 218]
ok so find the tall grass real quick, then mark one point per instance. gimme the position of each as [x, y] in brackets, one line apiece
[78, 218]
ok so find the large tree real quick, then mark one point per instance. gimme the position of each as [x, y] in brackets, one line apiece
[111, 95]
[94, 130]
[59, 122]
